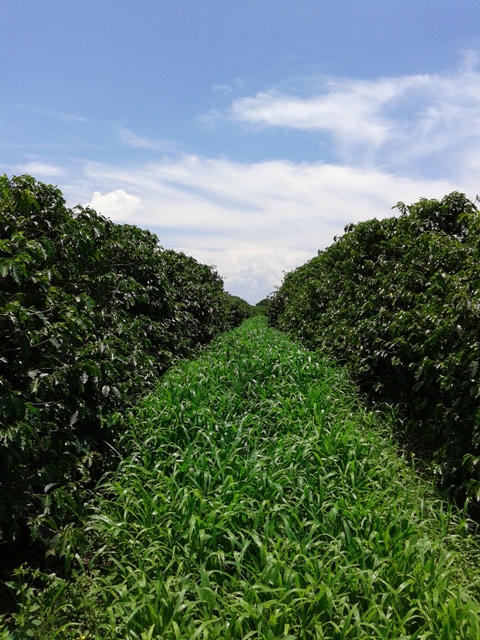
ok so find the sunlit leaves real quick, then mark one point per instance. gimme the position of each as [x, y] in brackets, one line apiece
[257, 499]
[398, 301]
[91, 314]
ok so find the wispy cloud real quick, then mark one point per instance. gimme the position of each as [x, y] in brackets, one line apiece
[269, 197]
[40, 169]
[338, 111]
[396, 138]
[133, 140]
[116, 204]
[253, 221]
[386, 120]
[60, 115]
[227, 89]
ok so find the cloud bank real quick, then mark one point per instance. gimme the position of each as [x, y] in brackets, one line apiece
[133, 140]
[386, 120]
[42, 170]
[394, 138]
[253, 221]
[397, 138]
[117, 205]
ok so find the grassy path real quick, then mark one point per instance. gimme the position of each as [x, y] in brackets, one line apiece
[261, 501]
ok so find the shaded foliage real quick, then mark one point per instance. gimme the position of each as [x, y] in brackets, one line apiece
[91, 313]
[398, 300]
[258, 499]
[260, 308]
[238, 310]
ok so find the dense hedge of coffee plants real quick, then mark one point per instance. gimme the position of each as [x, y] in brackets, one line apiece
[238, 310]
[91, 314]
[398, 301]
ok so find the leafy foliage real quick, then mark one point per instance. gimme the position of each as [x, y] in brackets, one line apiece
[259, 499]
[398, 300]
[239, 310]
[91, 313]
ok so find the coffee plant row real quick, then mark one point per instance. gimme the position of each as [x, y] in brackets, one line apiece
[91, 314]
[398, 301]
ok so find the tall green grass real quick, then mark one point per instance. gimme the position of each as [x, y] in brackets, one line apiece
[260, 500]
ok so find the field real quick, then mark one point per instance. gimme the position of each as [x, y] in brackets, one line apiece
[258, 499]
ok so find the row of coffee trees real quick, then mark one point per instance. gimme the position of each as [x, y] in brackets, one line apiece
[398, 301]
[91, 314]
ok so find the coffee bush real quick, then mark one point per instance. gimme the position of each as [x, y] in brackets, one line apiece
[91, 314]
[398, 301]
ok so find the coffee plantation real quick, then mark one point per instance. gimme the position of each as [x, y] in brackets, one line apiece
[166, 475]
[398, 301]
[91, 314]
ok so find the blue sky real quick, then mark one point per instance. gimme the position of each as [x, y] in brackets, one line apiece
[246, 133]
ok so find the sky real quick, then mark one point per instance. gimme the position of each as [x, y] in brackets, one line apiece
[246, 133]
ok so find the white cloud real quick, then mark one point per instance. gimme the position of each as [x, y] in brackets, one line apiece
[398, 139]
[41, 169]
[251, 270]
[338, 111]
[391, 121]
[228, 89]
[116, 204]
[134, 140]
[60, 115]
[70, 117]
[253, 221]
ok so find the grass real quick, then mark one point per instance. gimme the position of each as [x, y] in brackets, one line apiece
[259, 500]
